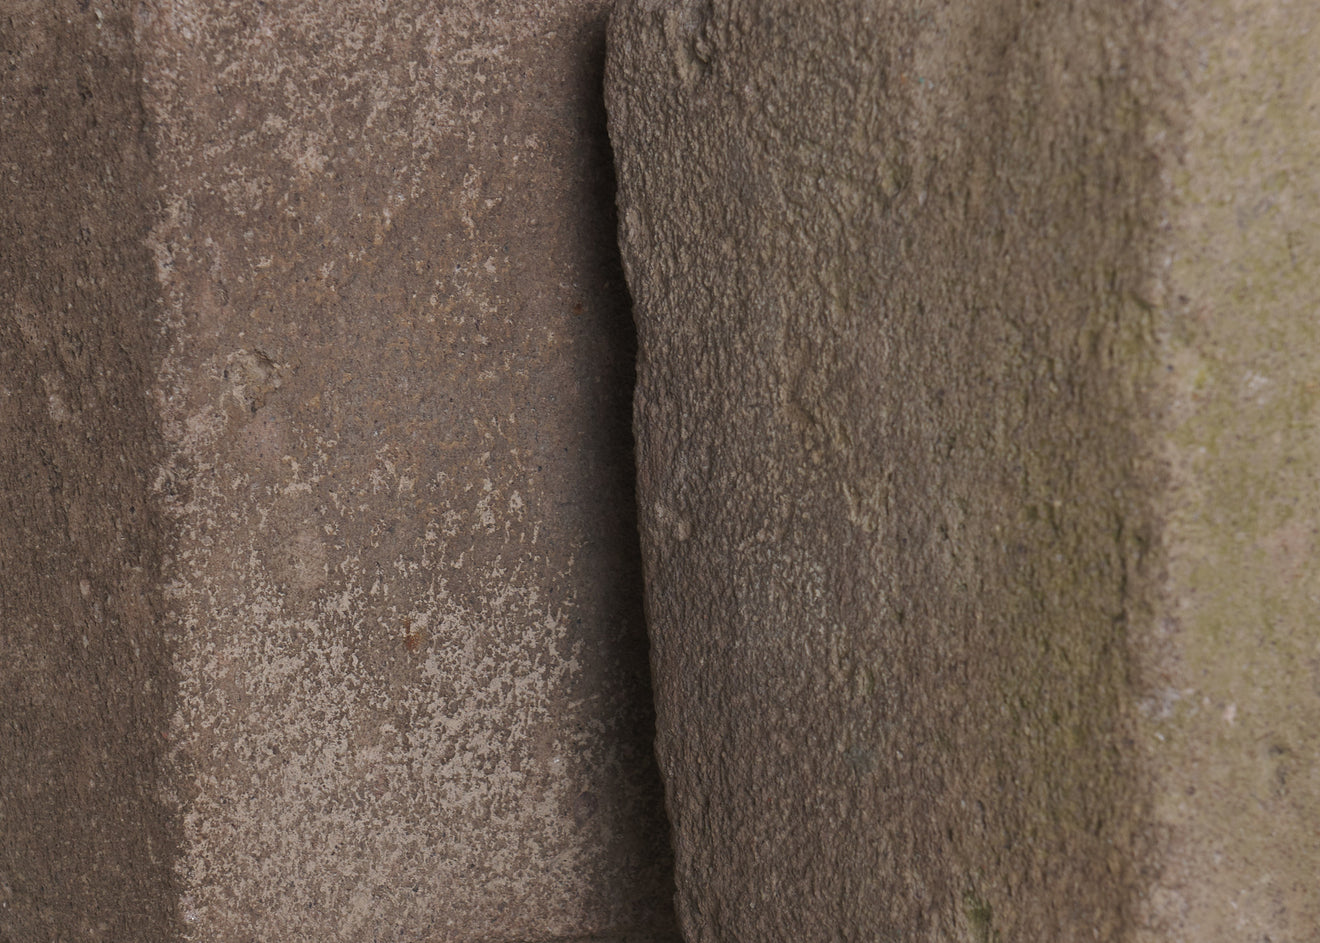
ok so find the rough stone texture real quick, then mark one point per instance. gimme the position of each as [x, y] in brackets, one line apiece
[415, 698]
[321, 591]
[975, 411]
[85, 841]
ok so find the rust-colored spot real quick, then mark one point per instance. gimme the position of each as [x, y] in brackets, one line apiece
[412, 638]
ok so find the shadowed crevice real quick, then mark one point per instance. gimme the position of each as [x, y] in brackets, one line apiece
[612, 438]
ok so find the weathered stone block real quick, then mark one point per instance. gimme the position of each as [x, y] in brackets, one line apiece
[86, 842]
[975, 417]
[321, 590]
[414, 677]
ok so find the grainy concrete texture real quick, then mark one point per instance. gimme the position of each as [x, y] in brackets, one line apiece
[976, 416]
[321, 588]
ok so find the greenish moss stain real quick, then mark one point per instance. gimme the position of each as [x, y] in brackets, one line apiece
[980, 919]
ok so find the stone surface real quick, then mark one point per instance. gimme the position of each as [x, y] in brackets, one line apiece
[975, 411]
[1233, 696]
[321, 590]
[405, 581]
[85, 842]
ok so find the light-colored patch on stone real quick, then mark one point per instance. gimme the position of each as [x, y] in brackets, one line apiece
[1235, 754]
[342, 741]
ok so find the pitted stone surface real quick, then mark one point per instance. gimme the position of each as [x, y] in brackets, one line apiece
[975, 351]
[354, 650]
[396, 363]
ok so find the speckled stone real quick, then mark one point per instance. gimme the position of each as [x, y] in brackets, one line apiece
[976, 410]
[319, 571]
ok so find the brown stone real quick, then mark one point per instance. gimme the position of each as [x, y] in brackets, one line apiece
[414, 694]
[975, 417]
[321, 596]
[86, 844]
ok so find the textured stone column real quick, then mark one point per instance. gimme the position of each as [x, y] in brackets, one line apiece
[414, 697]
[86, 842]
[319, 577]
[977, 409]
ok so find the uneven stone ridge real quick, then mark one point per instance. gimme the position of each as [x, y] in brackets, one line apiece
[976, 387]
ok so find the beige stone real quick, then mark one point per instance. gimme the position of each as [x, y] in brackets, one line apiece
[976, 434]
[321, 585]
